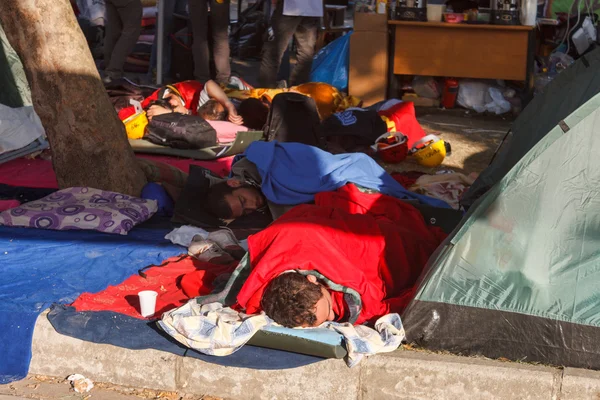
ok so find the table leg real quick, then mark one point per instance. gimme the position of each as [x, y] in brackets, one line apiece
[530, 67]
[392, 89]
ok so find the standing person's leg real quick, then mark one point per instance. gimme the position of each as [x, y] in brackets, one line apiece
[219, 21]
[112, 31]
[306, 38]
[130, 13]
[283, 30]
[199, 20]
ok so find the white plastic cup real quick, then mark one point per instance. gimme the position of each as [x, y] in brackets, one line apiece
[435, 12]
[147, 302]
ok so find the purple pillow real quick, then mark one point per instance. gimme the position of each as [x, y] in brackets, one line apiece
[82, 208]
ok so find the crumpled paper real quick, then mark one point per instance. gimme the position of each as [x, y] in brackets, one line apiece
[80, 383]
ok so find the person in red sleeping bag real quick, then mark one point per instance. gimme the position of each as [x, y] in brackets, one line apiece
[350, 257]
[207, 100]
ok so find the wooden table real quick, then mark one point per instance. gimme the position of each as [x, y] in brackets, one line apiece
[461, 51]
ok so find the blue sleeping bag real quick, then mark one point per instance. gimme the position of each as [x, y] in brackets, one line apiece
[292, 173]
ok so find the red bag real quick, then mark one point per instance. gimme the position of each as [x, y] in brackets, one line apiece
[401, 118]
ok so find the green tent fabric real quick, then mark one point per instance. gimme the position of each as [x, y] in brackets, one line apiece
[563, 95]
[520, 278]
[15, 93]
[15, 89]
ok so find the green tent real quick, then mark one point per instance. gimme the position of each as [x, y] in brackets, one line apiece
[15, 93]
[520, 277]
[15, 89]
[566, 93]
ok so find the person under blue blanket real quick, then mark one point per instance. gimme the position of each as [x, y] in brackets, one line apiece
[282, 175]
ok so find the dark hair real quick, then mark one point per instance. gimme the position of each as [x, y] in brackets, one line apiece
[254, 113]
[290, 300]
[210, 112]
[215, 200]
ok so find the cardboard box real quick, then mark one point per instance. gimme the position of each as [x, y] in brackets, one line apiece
[368, 66]
[421, 101]
[365, 22]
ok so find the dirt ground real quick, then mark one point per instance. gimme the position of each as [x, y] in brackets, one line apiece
[474, 139]
[49, 388]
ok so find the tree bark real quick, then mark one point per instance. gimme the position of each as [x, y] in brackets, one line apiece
[88, 142]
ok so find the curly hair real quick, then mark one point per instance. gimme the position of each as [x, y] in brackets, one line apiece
[290, 300]
[209, 112]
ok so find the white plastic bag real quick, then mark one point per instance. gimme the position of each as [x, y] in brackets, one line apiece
[481, 97]
[426, 86]
[498, 105]
[472, 94]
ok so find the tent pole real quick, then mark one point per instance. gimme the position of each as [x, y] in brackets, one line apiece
[160, 30]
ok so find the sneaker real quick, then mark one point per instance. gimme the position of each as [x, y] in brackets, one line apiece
[209, 251]
[228, 242]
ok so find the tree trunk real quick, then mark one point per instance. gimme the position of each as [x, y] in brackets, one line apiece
[88, 142]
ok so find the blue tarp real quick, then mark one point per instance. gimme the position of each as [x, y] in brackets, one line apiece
[41, 267]
[292, 173]
[332, 63]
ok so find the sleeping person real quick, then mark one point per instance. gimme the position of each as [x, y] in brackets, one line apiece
[207, 100]
[282, 175]
[350, 257]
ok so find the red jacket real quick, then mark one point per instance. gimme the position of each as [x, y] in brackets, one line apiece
[188, 90]
[374, 244]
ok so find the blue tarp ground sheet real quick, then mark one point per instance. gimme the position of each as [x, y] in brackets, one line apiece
[41, 267]
[124, 331]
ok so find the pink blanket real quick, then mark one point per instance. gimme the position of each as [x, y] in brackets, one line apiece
[39, 173]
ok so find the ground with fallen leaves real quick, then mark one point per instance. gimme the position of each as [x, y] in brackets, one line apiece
[50, 388]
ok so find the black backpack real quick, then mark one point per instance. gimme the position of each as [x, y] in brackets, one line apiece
[293, 117]
[180, 131]
[364, 125]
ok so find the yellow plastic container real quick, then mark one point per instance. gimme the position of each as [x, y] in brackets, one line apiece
[136, 125]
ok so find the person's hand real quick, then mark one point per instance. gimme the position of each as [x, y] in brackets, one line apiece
[181, 110]
[155, 110]
[232, 114]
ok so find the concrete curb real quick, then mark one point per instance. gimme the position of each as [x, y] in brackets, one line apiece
[398, 375]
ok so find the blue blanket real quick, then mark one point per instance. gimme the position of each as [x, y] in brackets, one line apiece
[40, 267]
[292, 173]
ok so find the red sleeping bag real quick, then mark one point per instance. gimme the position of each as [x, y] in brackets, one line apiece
[372, 243]
[175, 282]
